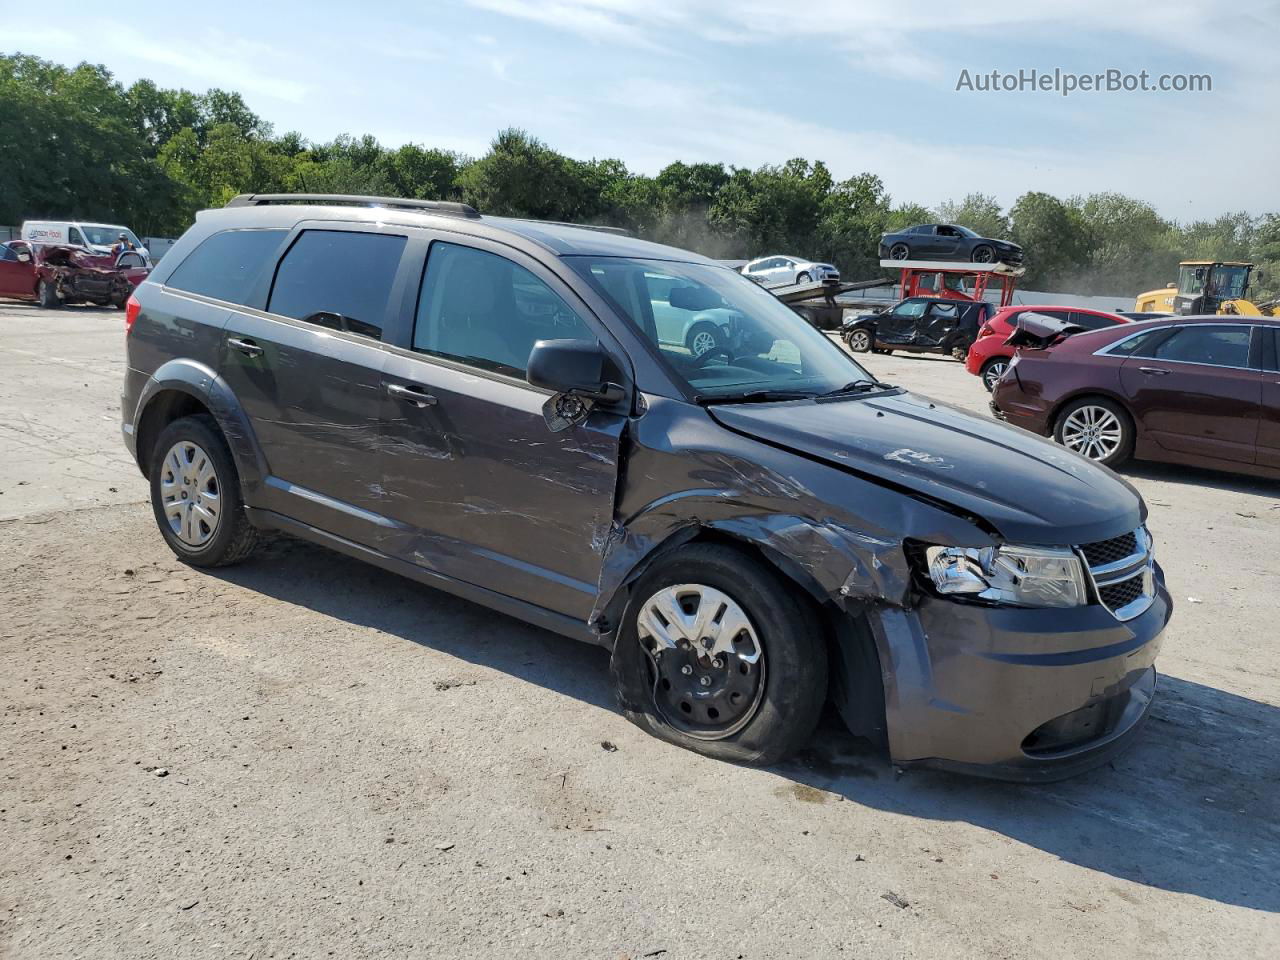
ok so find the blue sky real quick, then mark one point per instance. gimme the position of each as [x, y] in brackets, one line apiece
[861, 86]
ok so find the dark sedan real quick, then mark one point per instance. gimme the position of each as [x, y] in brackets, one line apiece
[1203, 391]
[947, 241]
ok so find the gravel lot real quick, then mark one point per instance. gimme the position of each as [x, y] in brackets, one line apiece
[358, 766]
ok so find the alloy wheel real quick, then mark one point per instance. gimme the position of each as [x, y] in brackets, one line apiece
[709, 667]
[1093, 432]
[993, 373]
[899, 251]
[983, 255]
[701, 342]
[859, 341]
[189, 493]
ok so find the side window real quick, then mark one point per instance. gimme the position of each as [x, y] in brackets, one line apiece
[226, 265]
[1091, 321]
[6, 252]
[910, 308]
[1140, 345]
[1217, 345]
[947, 232]
[338, 280]
[945, 311]
[483, 310]
[76, 237]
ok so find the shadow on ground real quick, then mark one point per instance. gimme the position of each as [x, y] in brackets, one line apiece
[1192, 808]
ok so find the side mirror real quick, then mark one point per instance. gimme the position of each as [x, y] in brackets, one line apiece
[575, 371]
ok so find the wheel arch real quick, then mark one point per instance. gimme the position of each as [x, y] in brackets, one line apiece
[855, 681]
[182, 388]
[1085, 393]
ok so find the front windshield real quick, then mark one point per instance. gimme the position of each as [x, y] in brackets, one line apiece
[1191, 280]
[100, 236]
[720, 333]
[967, 232]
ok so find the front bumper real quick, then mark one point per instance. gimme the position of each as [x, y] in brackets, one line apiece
[1016, 694]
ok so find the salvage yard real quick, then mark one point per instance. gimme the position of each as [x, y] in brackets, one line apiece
[306, 756]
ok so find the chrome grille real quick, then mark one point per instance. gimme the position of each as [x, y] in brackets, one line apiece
[1122, 571]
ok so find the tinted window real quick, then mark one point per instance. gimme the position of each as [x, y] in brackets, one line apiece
[1218, 345]
[338, 280]
[1091, 321]
[1140, 345]
[226, 265]
[483, 310]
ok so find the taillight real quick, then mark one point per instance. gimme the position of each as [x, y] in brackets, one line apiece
[131, 311]
[986, 330]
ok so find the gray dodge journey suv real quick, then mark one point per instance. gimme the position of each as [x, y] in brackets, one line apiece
[486, 406]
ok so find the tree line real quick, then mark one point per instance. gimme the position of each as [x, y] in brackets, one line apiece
[77, 142]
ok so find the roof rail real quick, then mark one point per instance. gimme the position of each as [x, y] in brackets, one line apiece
[621, 231]
[432, 206]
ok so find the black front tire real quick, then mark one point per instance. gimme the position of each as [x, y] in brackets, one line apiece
[1123, 450]
[983, 254]
[235, 537]
[792, 640]
[46, 296]
[703, 337]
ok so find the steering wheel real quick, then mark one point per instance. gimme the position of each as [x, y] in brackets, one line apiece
[701, 359]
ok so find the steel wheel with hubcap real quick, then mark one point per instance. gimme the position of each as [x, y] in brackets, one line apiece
[717, 653]
[1095, 429]
[992, 372]
[195, 494]
[708, 661]
[702, 338]
[189, 490]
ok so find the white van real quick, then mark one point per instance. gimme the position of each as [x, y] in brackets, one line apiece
[98, 237]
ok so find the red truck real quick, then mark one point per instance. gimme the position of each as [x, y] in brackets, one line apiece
[55, 274]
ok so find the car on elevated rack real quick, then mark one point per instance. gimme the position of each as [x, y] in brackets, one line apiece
[776, 271]
[919, 325]
[989, 356]
[490, 406]
[1203, 391]
[947, 241]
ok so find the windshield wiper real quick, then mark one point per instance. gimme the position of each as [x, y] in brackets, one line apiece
[755, 396]
[858, 386]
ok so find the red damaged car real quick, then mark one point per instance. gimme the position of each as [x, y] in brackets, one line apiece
[55, 274]
[1203, 391]
[989, 355]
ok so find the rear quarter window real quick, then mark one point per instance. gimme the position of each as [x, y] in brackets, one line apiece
[227, 264]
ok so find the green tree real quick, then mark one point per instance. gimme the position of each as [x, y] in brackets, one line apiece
[977, 211]
[1054, 239]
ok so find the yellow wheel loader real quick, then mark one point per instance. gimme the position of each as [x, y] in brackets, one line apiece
[1208, 286]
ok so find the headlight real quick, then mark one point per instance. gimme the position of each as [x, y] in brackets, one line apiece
[1019, 576]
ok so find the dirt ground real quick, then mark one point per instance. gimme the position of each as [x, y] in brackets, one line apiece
[307, 757]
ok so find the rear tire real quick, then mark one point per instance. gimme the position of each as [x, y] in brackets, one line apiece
[1096, 428]
[703, 337]
[858, 340]
[899, 251]
[749, 711]
[992, 371]
[46, 296]
[195, 495]
[959, 353]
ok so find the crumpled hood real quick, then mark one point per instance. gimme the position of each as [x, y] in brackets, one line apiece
[1030, 489]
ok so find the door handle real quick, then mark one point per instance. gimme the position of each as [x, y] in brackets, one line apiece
[247, 347]
[410, 394]
[1154, 371]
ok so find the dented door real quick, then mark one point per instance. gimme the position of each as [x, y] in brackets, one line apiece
[479, 487]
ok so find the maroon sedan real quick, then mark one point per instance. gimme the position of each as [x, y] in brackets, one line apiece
[1203, 391]
[54, 274]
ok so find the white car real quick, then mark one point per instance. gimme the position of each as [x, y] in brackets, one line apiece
[778, 270]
